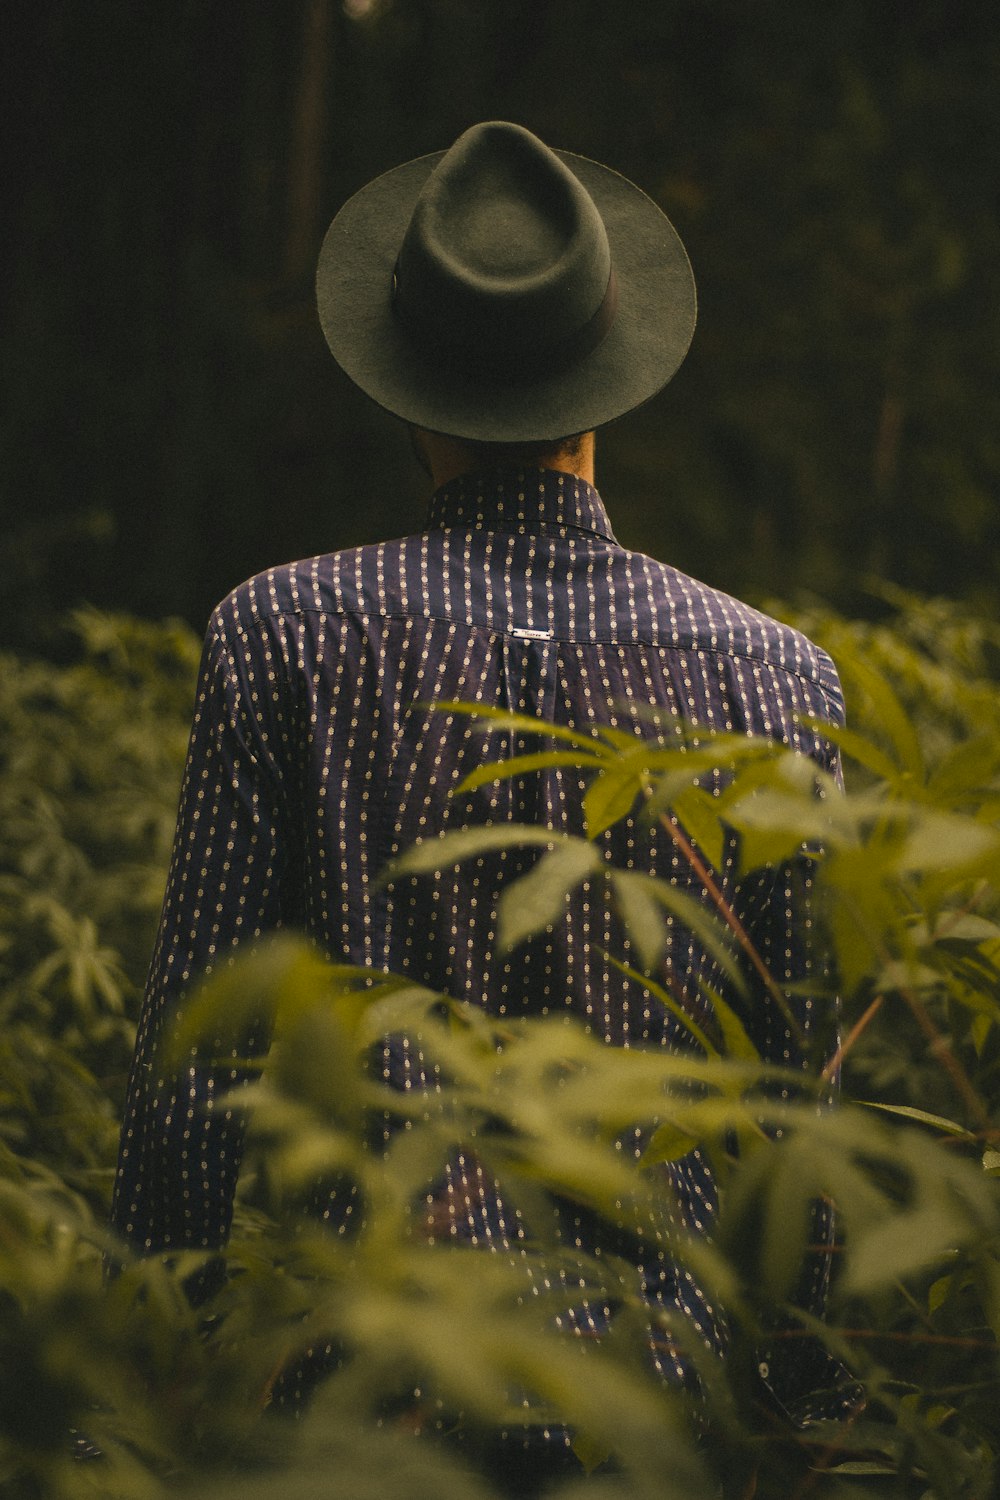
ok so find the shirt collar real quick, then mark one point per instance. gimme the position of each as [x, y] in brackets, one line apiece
[513, 499]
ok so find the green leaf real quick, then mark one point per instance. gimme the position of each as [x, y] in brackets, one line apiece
[590, 1451]
[402, 1009]
[897, 1247]
[907, 976]
[463, 843]
[863, 913]
[909, 1112]
[736, 1042]
[938, 1292]
[538, 899]
[280, 974]
[788, 1217]
[859, 1467]
[609, 798]
[857, 747]
[669, 1142]
[522, 765]
[501, 718]
[642, 914]
[702, 923]
[698, 812]
[626, 741]
[971, 766]
[783, 821]
[979, 1031]
[944, 840]
[958, 927]
[666, 1000]
[887, 711]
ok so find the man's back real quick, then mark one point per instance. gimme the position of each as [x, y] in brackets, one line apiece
[330, 672]
[322, 753]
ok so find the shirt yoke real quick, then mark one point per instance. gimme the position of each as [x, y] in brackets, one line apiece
[531, 556]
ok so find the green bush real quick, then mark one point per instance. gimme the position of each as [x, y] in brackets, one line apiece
[89, 765]
[177, 1398]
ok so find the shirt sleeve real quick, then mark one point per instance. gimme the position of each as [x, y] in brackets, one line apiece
[180, 1148]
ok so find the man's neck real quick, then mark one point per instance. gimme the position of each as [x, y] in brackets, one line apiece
[447, 458]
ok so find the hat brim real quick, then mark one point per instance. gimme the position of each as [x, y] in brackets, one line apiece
[648, 339]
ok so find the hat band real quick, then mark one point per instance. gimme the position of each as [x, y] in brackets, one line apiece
[483, 358]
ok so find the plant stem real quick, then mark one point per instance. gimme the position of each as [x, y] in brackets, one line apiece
[940, 1048]
[733, 922]
[852, 1036]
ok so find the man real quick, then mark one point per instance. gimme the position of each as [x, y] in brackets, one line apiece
[505, 301]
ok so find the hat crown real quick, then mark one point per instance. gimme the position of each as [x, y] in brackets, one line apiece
[506, 256]
[503, 292]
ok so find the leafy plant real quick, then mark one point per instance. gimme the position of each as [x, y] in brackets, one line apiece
[89, 765]
[185, 1395]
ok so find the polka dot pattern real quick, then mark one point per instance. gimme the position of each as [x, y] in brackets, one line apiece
[317, 755]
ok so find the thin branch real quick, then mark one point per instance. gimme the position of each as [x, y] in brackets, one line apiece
[939, 1045]
[733, 922]
[267, 1394]
[852, 1036]
[940, 1048]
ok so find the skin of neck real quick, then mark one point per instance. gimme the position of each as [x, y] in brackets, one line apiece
[446, 458]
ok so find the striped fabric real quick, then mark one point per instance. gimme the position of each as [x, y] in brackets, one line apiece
[317, 755]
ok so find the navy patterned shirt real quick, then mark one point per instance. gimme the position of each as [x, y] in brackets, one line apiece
[317, 756]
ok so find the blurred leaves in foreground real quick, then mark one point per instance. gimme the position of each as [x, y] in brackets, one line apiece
[179, 1399]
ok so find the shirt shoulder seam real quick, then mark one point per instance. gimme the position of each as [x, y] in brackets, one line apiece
[814, 679]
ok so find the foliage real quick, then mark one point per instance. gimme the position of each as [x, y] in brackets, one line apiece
[88, 790]
[922, 684]
[180, 1398]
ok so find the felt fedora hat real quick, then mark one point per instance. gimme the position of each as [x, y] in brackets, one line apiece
[504, 292]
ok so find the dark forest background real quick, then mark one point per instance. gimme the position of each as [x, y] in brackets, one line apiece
[172, 422]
